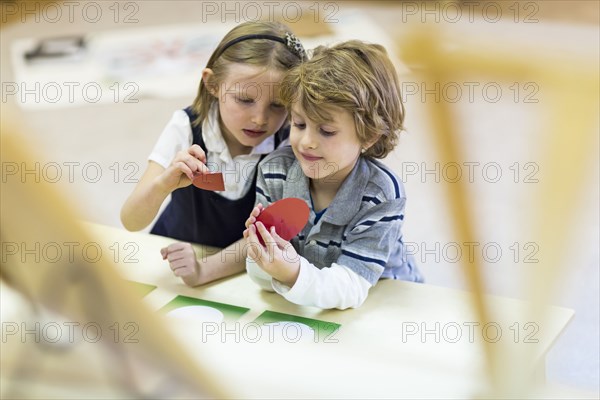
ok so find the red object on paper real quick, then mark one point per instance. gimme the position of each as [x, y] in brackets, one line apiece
[210, 181]
[288, 216]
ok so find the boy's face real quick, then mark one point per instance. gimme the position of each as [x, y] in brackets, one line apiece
[327, 152]
[249, 105]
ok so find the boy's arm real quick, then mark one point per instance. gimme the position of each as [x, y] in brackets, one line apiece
[299, 281]
[334, 287]
[370, 244]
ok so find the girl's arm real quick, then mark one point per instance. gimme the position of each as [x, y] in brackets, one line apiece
[157, 183]
[229, 261]
[195, 271]
[143, 204]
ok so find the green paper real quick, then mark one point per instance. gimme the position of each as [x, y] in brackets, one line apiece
[230, 312]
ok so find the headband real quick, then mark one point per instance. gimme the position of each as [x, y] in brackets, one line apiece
[291, 42]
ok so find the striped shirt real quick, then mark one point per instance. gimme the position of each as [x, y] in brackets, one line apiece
[361, 228]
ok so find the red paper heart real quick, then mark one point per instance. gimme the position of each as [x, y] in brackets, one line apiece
[288, 216]
[210, 181]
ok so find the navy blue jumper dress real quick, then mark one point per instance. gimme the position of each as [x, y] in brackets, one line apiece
[199, 216]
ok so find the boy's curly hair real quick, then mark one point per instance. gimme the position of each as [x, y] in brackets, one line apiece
[357, 77]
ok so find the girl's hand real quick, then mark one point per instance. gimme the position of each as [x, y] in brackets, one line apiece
[277, 257]
[182, 261]
[185, 166]
[252, 218]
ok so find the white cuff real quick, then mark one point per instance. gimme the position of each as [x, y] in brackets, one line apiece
[297, 292]
[258, 275]
[333, 287]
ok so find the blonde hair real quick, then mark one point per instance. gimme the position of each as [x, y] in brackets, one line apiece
[257, 52]
[357, 77]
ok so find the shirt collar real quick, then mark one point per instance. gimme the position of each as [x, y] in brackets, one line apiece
[266, 146]
[347, 200]
[213, 137]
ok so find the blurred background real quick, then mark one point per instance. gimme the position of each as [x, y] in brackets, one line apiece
[94, 83]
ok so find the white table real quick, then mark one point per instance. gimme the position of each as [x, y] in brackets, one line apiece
[404, 337]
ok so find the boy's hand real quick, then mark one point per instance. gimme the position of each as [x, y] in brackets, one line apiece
[185, 166]
[183, 262]
[277, 257]
[252, 218]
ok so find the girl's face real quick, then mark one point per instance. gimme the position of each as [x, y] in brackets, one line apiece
[327, 152]
[249, 106]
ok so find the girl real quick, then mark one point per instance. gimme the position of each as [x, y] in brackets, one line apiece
[346, 110]
[236, 118]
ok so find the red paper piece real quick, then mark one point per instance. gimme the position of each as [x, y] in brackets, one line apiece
[210, 181]
[288, 216]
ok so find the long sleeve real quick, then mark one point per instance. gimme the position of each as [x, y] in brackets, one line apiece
[356, 242]
[334, 287]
